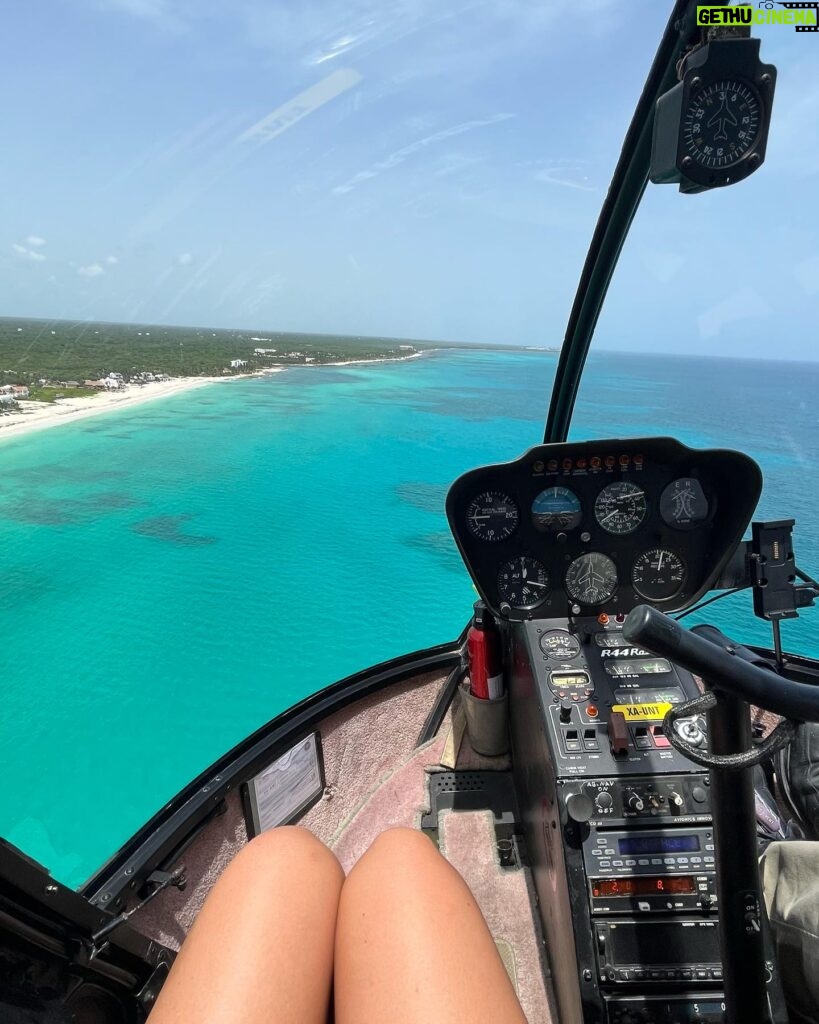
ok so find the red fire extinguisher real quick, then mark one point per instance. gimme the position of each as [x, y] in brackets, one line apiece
[484, 649]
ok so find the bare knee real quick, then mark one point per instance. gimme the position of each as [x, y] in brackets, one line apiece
[287, 848]
[400, 850]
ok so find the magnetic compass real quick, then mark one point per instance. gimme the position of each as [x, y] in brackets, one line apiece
[721, 123]
[711, 129]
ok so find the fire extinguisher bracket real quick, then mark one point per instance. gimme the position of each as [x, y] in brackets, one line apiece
[487, 722]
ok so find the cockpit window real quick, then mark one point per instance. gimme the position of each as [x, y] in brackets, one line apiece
[708, 331]
[390, 177]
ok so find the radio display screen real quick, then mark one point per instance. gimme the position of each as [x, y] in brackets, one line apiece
[672, 943]
[659, 844]
[644, 885]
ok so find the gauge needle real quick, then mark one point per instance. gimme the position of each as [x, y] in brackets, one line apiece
[660, 562]
[532, 583]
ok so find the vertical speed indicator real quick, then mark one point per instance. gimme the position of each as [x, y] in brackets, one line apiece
[492, 516]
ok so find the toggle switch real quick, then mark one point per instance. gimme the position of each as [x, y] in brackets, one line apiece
[618, 733]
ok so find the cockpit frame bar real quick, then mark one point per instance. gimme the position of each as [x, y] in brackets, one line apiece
[625, 191]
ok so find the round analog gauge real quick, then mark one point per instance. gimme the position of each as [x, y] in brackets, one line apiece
[556, 508]
[683, 503]
[658, 574]
[620, 507]
[492, 516]
[721, 123]
[523, 582]
[560, 645]
[591, 578]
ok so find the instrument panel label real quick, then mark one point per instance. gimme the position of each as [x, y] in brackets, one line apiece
[643, 712]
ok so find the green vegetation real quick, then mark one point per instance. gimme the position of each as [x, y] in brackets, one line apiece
[56, 350]
[38, 394]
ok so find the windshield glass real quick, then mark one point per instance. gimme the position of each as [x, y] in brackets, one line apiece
[296, 185]
[708, 331]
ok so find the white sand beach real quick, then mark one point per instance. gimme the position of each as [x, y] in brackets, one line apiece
[36, 416]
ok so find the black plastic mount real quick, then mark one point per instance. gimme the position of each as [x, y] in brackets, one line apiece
[773, 570]
[473, 791]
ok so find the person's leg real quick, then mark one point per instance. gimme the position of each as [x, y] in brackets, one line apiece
[412, 945]
[261, 949]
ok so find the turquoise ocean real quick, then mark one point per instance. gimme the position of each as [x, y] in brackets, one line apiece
[175, 575]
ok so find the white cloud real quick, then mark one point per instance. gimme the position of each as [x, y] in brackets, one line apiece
[184, 258]
[92, 270]
[36, 241]
[111, 260]
[27, 254]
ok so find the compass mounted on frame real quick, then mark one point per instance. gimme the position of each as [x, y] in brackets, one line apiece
[711, 129]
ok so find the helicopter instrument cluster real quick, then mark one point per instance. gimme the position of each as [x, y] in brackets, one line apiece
[601, 526]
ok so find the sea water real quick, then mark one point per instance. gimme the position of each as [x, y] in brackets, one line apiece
[175, 575]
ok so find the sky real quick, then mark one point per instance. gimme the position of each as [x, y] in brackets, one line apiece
[427, 169]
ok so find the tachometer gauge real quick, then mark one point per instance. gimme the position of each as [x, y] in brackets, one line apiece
[560, 644]
[523, 582]
[658, 574]
[620, 507]
[492, 516]
[556, 508]
[683, 504]
[591, 578]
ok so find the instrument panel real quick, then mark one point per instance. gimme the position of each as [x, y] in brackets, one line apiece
[602, 526]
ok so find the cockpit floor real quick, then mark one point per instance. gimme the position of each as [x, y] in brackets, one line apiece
[376, 778]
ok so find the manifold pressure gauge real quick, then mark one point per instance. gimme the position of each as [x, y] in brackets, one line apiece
[711, 129]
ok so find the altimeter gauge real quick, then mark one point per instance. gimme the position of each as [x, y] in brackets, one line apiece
[523, 582]
[556, 508]
[591, 578]
[620, 507]
[492, 516]
[658, 574]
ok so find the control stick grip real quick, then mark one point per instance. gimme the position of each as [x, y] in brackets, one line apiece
[715, 662]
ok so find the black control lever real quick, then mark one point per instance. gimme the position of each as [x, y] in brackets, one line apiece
[752, 987]
[716, 663]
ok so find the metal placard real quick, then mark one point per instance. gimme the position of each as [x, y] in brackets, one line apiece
[285, 788]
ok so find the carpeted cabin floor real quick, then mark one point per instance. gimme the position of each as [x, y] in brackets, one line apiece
[376, 778]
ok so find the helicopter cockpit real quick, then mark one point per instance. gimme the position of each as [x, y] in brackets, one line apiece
[623, 773]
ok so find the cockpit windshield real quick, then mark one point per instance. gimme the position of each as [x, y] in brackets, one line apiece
[369, 219]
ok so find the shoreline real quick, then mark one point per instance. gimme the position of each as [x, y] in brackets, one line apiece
[37, 416]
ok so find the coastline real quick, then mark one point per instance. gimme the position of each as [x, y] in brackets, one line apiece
[37, 416]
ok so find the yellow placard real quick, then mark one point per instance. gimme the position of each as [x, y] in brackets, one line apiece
[643, 712]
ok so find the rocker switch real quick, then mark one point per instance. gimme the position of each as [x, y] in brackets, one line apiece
[618, 733]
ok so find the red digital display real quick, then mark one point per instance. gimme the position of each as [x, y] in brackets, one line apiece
[646, 885]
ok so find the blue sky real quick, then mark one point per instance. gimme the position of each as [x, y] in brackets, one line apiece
[414, 168]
